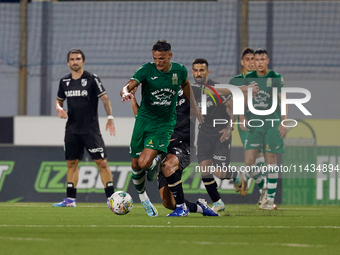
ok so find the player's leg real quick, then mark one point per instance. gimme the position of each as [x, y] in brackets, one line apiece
[106, 178]
[211, 185]
[95, 146]
[156, 140]
[262, 180]
[138, 178]
[273, 145]
[138, 174]
[172, 174]
[205, 149]
[74, 151]
[273, 175]
[252, 145]
[148, 161]
[182, 152]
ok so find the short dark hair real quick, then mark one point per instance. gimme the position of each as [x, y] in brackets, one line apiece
[247, 51]
[161, 45]
[76, 51]
[260, 51]
[200, 61]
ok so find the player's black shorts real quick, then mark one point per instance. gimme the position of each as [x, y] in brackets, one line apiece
[75, 143]
[182, 151]
[210, 147]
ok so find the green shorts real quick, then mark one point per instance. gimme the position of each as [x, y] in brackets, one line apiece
[267, 138]
[150, 135]
[243, 134]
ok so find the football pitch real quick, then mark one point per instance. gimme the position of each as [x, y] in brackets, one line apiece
[38, 228]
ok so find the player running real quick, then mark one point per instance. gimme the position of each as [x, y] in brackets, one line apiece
[82, 90]
[175, 161]
[156, 117]
[247, 62]
[271, 133]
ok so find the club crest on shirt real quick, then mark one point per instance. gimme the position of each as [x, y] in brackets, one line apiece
[174, 79]
[83, 82]
[269, 82]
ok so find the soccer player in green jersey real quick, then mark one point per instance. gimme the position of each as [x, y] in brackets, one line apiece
[247, 62]
[265, 130]
[156, 116]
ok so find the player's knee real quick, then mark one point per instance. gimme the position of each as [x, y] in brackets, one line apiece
[72, 164]
[249, 161]
[101, 163]
[167, 168]
[144, 163]
[168, 204]
[134, 165]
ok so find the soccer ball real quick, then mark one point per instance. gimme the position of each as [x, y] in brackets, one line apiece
[121, 202]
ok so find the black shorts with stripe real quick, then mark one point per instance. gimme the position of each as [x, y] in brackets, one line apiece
[74, 145]
[182, 151]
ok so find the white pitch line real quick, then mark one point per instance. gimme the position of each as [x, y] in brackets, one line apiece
[166, 226]
[250, 244]
[23, 238]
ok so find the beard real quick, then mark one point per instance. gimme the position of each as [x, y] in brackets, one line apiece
[199, 80]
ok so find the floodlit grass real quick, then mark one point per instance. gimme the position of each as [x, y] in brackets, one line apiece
[38, 228]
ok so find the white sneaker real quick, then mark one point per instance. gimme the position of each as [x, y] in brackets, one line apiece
[264, 196]
[268, 205]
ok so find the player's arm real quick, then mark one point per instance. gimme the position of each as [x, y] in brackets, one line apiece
[125, 92]
[134, 103]
[282, 129]
[244, 120]
[60, 110]
[110, 125]
[187, 90]
[226, 132]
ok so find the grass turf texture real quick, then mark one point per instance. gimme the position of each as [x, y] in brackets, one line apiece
[38, 228]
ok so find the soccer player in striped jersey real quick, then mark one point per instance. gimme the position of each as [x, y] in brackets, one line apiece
[247, 62]
[269, 133]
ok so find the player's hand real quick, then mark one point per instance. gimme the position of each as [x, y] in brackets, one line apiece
[196, 110]
[133, 92]
[255, 89]
[127, 97]
[282, 130]
[226, 133]
[62, 113]
[110, 125]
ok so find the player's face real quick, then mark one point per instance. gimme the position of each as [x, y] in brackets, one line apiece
[261, 62]
[75, 62]
[200, 72]
[162, 60]
[248, 62]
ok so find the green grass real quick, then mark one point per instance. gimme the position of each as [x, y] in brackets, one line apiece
[38, 228]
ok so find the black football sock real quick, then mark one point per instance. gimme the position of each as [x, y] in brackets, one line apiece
[211, 186]
[71, 192]
[109, 190]
[175, 186]
[192, 206]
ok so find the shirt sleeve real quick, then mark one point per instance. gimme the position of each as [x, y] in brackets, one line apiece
[61, 93]
[99, 88]
[140, 74]
[280, 83]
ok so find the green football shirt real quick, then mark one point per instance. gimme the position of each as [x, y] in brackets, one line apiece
[264, 100]
[159, 92]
